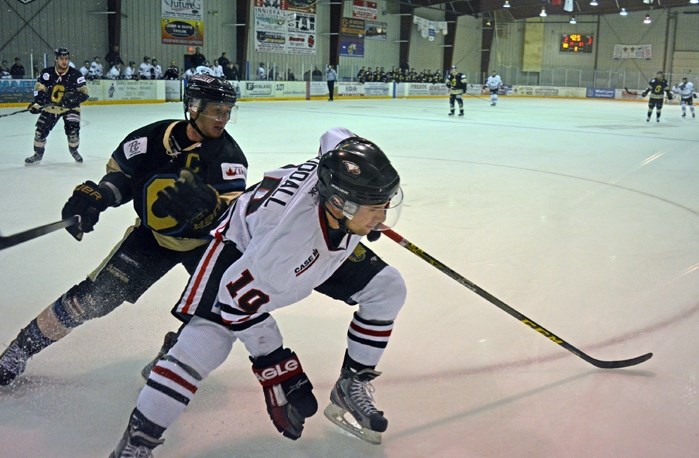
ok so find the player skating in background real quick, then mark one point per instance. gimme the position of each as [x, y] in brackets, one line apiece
[686, 92]
[494, 83]
[296, 231]
[180, 175]
[456, 82]
[657, 88]
[58, 93]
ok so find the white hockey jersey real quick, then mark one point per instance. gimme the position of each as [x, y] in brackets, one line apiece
[493, 82]
[685, 90]
[284, 237]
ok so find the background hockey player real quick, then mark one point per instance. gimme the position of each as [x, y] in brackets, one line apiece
[658, 88]
[297, 230]
[494, 83]
[686, 92]
[180, 175]
[58, 93]
[456, 82]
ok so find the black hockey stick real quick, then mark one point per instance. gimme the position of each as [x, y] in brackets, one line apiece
[502, 306]
[14, 113]
[20, 237]
[630, 92]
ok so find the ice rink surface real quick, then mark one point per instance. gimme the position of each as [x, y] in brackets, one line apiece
[578, 214]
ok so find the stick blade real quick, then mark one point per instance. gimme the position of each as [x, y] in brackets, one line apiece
[620, 363]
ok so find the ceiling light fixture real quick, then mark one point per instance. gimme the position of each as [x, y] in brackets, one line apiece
[693, 2]
[572, 20]
[507, 4]
[594, 3]
[623, 12]
[543, 12]
[647, 20]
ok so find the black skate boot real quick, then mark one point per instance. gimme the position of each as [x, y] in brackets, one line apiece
[168, 343]
[13, 361]
[74, 152]
[35, 159]
[135, 444]
[352, 405]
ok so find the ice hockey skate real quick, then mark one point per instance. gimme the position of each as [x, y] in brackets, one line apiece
[34, 159]
[352, 406]
[135, 444]
[168, 343]
[78, 158]
[13, 361]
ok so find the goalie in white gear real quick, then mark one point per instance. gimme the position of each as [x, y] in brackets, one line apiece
[494, 83]
[297, 231]
[687, 95]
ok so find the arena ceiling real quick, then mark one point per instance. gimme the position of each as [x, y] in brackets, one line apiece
[522, 9]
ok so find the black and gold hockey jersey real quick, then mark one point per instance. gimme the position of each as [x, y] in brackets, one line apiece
[658, 87]
[151, 158]
[51, 86]
[456, 83]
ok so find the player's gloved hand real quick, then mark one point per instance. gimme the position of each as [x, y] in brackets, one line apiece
[644, 93]
[694, 95]
[73, 99]
[288, 392]
[669, 96]
[35, 108]
[189, 201]
[88, 201]
[373, 236]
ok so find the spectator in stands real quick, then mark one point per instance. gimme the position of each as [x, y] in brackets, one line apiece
[198, 58]
[130, 71]
[145, 69]
[96, 69]
[223, 61]
[113, 57]
[85, 69]
[172, 72]
[218, 69]
[261, 73]
[290, 75]
[272, 74]
[230, 71]
[17, 70]
[157, 70]
[114, 73]
[316, 74]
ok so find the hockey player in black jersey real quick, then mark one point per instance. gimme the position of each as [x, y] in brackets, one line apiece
[456, 82]
[181, 175]
[658, 87]
[59, 91]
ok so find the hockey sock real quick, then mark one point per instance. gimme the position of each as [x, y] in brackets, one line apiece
[31, 339]
[139, 422]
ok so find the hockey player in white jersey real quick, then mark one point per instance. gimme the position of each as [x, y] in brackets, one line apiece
[298, 230]
[494, 83]
[686, 92]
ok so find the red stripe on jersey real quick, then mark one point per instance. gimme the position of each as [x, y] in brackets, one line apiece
[168, 374]
[370, 332]
[200, 275]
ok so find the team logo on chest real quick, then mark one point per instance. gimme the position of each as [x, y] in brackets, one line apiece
[305, 265]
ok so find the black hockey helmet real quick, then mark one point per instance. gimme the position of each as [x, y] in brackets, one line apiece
[356, 173]
[208, 88]
[61, 52]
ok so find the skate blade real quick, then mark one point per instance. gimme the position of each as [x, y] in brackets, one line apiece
[346, 421]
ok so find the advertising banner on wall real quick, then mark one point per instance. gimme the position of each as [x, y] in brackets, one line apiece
[632, 52]
[14, 91]
[351, 42]
[375, 30]
[364, 10]
[286, 27]
[182, 22]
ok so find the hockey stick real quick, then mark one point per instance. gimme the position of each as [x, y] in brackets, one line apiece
[630, 92]
[14, 113]
[506, 308]
[20, 237]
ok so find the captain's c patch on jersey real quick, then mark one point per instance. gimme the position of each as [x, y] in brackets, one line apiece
[231, 171]
[135, 147]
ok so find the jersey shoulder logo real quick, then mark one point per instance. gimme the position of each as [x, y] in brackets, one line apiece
[135, 147]
[231, 171]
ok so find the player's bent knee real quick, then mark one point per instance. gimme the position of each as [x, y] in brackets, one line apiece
[383, 297]
[203, 345]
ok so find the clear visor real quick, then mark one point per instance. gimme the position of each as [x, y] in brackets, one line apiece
[215, 111]
[386, 215]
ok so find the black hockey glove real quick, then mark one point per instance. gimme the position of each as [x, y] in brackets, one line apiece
[190, 201]
[288, 392]
[669, 96]
[35, 108]
[694, 95]
[644, 93]
[73, 99]
[373, 236]
[88, 201]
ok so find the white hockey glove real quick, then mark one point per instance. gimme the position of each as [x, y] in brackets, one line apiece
[288, 392]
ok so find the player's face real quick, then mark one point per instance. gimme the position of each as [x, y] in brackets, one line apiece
[62, 63]
[367, 218]
[212, 121]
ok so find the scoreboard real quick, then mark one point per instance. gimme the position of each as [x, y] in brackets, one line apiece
[576, 43]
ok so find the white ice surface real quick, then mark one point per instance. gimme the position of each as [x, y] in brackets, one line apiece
[578, 214]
